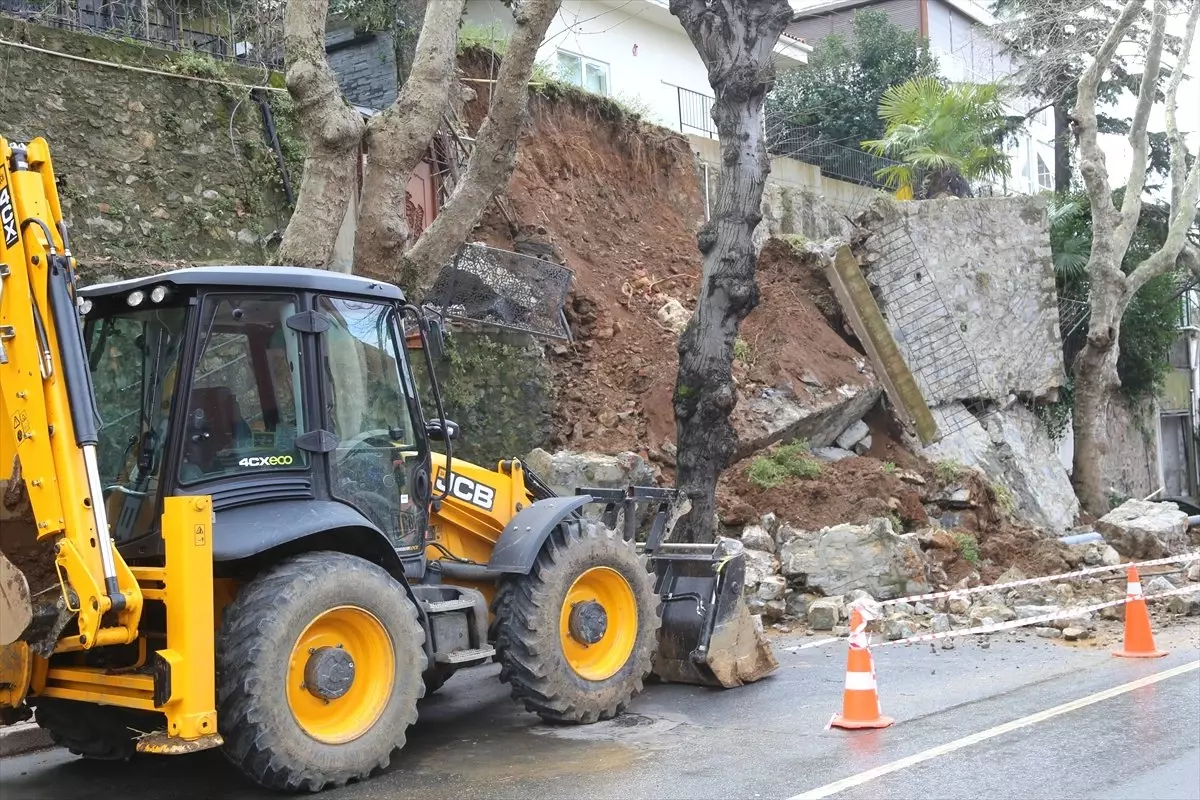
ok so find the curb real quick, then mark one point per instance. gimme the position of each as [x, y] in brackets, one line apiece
[22, 738]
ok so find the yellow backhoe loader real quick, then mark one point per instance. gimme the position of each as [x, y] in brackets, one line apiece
[243, 538]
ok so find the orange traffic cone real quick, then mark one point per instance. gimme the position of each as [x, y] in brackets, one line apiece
[1139, 641]
[860, 700]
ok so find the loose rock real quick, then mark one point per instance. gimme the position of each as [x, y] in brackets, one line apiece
[940, 623]
[853, 435]
[1157, 585]
[894, 629]
[870, 557]
[831, 453]
[1185, 605]
[772, 588]
[1138, 529]
[1048, 633]
[823, 614]
[755, 537]
[1075, 634]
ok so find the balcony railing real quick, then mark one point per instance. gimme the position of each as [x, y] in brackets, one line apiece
[695, 113]
[786, 138]
[805, 143]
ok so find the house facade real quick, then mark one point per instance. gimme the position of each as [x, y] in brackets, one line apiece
[635, 52]
[959, 35]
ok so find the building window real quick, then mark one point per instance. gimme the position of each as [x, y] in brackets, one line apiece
[1045, 179]
[583, 72]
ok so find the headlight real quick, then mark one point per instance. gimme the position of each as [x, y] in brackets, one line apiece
[85, 307]
[158, 294]
[135, 297]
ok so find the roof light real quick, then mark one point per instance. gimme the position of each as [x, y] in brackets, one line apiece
[135, 298]
[85, 306]
[158, 294]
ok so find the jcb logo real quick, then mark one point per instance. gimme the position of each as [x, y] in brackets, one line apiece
[467, 490]
[8, 218]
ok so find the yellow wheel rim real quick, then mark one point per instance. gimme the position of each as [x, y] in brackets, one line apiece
[612, 643]
[332, 712]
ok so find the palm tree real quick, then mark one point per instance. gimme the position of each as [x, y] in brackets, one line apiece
[949, 134]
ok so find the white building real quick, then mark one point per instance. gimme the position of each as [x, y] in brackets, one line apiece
[959, 36]
[632, 50]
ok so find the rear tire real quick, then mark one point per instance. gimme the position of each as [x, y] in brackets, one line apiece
[356, 623]
[549, 668]
[99, 733]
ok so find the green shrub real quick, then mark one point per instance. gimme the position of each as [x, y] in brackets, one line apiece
[968, 547]
[948, 471]
[788, 461]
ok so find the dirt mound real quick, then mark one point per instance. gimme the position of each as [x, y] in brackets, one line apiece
[789, 343]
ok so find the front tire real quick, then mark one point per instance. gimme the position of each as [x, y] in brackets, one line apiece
[98, 733]
[319, 672]
[576, 636]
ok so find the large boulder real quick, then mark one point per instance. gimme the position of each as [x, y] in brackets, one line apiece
[1012, 448]
[772, 415]
[566, 471]
[1138, 529]
[836, 560]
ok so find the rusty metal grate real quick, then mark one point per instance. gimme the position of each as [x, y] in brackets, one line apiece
[504, 289]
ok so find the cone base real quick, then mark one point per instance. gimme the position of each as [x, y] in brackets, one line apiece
[1130, 654]
[854, 724]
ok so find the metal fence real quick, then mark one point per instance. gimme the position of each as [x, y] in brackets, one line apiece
[805, 143]
[695, 113]
[246, 33]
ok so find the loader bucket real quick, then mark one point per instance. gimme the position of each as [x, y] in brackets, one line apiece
[708, 636]
[16, 608]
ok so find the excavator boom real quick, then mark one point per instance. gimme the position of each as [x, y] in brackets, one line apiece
[46, 400]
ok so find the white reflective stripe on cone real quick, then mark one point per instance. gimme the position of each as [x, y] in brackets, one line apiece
[1134, 588]
[860, 681]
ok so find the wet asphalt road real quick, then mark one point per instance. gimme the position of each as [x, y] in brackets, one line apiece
[768, 740]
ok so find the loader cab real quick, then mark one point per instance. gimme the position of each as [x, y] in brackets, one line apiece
[283, 393]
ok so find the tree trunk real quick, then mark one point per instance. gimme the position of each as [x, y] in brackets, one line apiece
[398, 138]
[332, 132]
[405, 33]
[735, 39]
[1062, 147]
[493, 156]
[1096, 384]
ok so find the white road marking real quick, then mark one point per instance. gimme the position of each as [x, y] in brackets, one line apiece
[967, 741]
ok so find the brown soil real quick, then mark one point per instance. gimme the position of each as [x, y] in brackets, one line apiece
[620, 203]
[18, 536]
[852, 490]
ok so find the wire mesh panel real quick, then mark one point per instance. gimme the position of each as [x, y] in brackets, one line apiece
[925, 330]
[505, 289]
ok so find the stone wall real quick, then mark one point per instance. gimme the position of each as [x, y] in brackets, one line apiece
[1130, 468]
[970, 281]
[497, 386]
[153, 169]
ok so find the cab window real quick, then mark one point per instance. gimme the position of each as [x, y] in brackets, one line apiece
[244, 408]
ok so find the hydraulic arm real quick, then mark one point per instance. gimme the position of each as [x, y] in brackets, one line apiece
[47, 404]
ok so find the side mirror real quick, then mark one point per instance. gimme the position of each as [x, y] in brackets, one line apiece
[436, 339]
[442, 430]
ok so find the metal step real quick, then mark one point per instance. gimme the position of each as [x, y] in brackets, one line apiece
[443, 606]
[461, 657]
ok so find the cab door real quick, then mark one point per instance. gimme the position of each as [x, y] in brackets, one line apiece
[380, 463]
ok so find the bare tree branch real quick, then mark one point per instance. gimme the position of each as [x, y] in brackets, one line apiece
[1182, 218]
[1174, 137]
[493, 156]
[1139, 137]
[399, 137]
